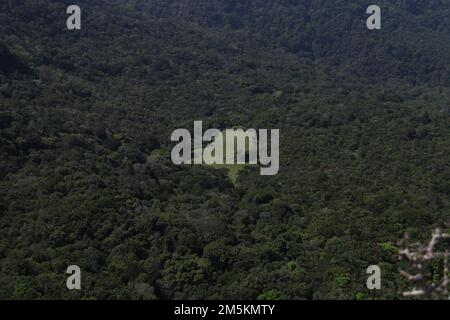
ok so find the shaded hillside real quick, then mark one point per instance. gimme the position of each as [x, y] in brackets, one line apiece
[85, 124]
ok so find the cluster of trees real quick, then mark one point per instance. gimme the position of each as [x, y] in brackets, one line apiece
[85, 124]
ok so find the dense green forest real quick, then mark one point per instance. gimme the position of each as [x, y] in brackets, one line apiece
[86, 117]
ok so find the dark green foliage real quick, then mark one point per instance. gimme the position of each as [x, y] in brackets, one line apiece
[85, 125]
[8, 62]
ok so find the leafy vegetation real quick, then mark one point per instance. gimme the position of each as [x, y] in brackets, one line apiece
[85, 124]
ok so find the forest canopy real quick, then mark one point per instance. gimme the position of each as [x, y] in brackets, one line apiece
[86, 118]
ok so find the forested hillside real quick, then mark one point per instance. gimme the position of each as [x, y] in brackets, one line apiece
[86, 117]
